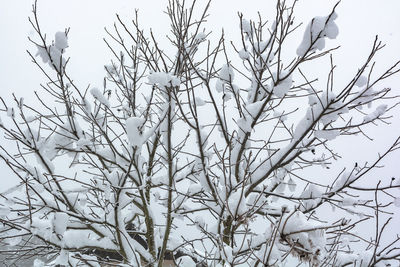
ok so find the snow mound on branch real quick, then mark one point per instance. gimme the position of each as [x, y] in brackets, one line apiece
[243, 54]
[246, 27]
[135, 135]
[307, 235]
[60, 222]
[317, 30]
[344, 180]
[237, 203]
[61, 40]
[380, 110]
[226, 73]
[52, 54]
[99, 96]
[361, 81]
[42, 53]
[283, 86]
[200, 36]
[328, 135]
[254, 108]
[163, 79]
[312, 197]
[62, 258]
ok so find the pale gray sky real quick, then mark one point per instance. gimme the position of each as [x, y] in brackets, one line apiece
[359, 21]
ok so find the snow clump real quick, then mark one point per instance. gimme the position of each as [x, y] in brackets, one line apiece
[283, 86]
[297, 228]
[99, 96]
[380, 110]
[361, 81]
[317, 30]
[52, 54]
[61, 40]
[60, 222]
[246, 27]
[327, 134]
[243, 54]
[226, 73]
[200, 36]
[163, 79]
[135, 135]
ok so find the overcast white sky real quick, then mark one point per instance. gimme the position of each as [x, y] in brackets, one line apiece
[359, 21]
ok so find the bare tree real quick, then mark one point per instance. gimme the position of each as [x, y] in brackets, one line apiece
[198, 156]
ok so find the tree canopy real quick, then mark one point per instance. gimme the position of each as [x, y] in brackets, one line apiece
[210, 155]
